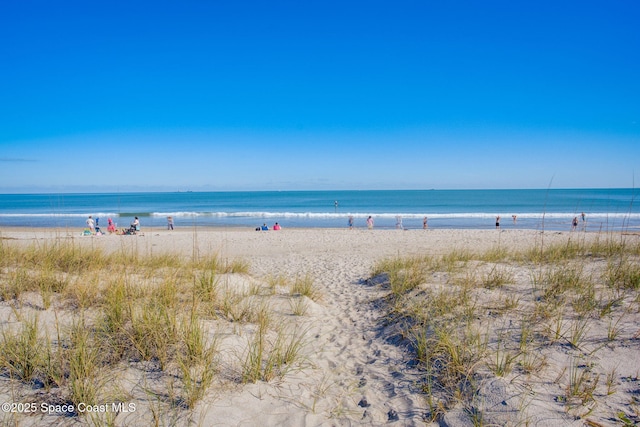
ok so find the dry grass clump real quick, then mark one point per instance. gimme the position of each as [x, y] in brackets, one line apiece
[77, 320]
[302, 286]
[270, 354]
[539, 319]
[406, 273]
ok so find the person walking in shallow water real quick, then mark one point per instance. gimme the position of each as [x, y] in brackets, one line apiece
[370, 223]
[425, 225]
[169, 223]
[574, 223]
[497, 222]
[399, 222]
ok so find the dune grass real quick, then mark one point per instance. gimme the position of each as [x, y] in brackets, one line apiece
[81, 318]
[469, 317]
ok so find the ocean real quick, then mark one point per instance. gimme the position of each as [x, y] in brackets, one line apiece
[554, 209]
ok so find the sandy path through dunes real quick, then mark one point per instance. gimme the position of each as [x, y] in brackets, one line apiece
[357, 377]
[370, 378]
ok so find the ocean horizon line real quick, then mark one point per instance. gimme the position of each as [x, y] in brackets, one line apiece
[112, 192]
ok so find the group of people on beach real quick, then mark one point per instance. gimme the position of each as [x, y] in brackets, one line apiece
[425, 224]
[514, 218]
[369, 222]
[265, 227]
[574, 223]
[93, 227]
[399, 226]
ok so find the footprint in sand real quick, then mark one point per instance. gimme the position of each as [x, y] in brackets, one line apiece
[363, 403]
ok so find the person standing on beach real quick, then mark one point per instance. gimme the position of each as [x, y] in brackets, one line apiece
[111, 227]
[574, 223]
[370, 223]
[350, 222]
[497, 222]
[424, 223]
[169, 223]
[91, 225]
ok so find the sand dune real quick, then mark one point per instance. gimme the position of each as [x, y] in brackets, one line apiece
[355, 371]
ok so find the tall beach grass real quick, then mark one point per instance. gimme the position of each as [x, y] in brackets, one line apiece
[83, 319]
[471, 317]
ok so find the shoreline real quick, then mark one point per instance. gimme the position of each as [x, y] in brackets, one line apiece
[551, 222]
[226, 227]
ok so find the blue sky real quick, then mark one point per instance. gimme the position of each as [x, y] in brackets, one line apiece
[139, 96]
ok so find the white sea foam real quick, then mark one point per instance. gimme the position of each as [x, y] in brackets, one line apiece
[337, 215]
[329, 215]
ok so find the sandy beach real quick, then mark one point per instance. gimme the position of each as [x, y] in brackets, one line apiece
[247, 243]
[354, 368]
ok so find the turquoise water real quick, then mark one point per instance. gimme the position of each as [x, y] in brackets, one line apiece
[610, 209]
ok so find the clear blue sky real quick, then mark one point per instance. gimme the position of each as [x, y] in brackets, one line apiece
[244, 95]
